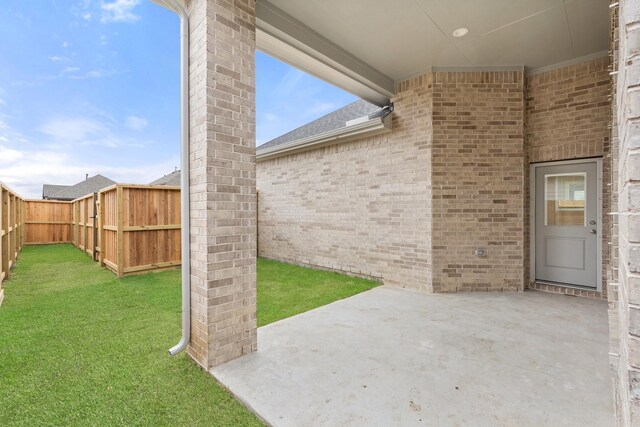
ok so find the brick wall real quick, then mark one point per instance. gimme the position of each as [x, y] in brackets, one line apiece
[478, 180]
[412, 206]
[365, 207]
[222, 186]
[625, 313]
[568, 112]
[361, 207]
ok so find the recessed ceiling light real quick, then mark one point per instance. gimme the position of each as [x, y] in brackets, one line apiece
[460, 32]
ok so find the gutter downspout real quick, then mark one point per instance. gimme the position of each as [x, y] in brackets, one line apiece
[184, 174]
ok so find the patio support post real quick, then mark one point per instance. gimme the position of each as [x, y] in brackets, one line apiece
[223, 180]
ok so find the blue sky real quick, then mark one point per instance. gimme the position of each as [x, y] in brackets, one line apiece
[92, 86]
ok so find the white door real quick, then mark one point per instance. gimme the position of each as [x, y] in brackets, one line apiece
[567, 224]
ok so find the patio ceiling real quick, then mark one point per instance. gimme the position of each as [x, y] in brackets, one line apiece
[364, 45]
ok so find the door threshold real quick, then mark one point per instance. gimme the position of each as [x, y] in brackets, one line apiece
[566, 285]
[566, 289]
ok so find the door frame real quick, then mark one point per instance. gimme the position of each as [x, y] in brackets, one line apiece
[532, 218]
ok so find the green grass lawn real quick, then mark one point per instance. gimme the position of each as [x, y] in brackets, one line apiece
[80, 347]
[285, 290]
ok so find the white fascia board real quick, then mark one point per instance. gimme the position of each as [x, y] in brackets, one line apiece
[375, 126]
[287, 39]
[168, 5]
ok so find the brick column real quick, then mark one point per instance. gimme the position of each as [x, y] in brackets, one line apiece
[222, 186]
[627, 378]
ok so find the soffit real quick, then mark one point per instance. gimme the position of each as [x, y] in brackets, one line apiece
[400, 38]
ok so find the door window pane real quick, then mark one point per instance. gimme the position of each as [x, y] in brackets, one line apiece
[564, 199]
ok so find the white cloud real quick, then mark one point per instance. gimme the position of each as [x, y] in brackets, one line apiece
[288, 82]
[119, 11]
[56, 159]
[70, 69]
[136, 123]
[69, 72]
[10, 155]
[9, 135]
[103, 41]
[26, 166]
[94, 74]
[83, 10]
[65, 44]
[65, 133]
[27, 170]
[270, 117]
[73, 129]
[57, 58]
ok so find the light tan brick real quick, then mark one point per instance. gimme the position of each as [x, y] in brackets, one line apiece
[222, 187]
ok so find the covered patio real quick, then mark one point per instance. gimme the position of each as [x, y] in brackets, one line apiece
[489, 103]
[392, 356]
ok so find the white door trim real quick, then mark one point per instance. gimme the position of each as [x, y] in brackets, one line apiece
[532, 217]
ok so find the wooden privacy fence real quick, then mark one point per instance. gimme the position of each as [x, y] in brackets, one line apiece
[139, 228]
[47, 221]
[11, 232]
[84, 224]
[127, 228]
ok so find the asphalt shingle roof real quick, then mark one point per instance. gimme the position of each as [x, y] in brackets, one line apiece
[332, 121]
[88, 186]
[171, 179]
[49, 190]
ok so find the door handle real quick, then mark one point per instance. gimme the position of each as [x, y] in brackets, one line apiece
[593, 231]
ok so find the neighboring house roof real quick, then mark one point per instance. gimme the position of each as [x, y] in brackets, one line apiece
[171, 179]
[90, 185]
[49, 190]
[332, 121]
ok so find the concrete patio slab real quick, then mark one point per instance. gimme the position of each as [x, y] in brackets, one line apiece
[392, 357]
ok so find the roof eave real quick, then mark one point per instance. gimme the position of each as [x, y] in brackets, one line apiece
[375, 126]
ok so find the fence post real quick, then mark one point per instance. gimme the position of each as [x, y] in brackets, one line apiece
[2, 269]
[76, 224]
[15, 228]
[21, 228]
[19, 236]
[10, 247]
[85, 221]
[70, 219]
[101, 233]
[24, 227]
[16, 201]
[5, 237]
[95, 226]
[120, 232]
[17, 208]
